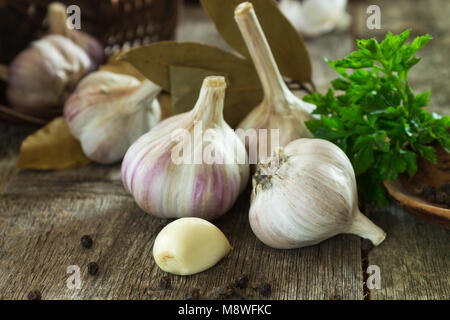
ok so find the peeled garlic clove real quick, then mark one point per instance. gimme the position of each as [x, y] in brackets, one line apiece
[280, 108]
[44, 74]
[168, 170]
[306, 194]
[109, 111]
[315, 17]
[57, 19]
[189, 245]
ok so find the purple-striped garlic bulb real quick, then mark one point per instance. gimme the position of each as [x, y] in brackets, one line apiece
[306, 194]
[44, 74]
[57, 20]
[280, 108]
[189, 165]
[109, 111]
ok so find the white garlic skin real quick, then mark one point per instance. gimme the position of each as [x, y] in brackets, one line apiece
[167, 189]
[189, 245]
[109, 111]
[44, 74]
[310, 196]
[57, 20]
[316, 17]
[280, 108]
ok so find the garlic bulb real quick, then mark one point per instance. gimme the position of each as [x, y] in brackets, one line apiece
[315, 17]
[307, 194]
[109, 111]
[212, 171]
[57, 20]
[44, 74]
[189, 245]
[280, 108]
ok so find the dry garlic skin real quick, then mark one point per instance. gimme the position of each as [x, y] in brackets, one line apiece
[305, 195]
[109, 111]
[189, 245]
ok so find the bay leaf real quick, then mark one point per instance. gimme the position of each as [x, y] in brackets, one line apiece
[116, 65]
[286, 43]
[186, 82]
[154, 61]
[52, 147]
[181, 67]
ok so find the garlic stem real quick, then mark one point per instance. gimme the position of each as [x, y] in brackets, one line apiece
[366, 229]
[273, 84]
[57, 18]
[209, 106]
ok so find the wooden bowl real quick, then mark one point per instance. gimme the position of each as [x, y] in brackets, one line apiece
[406, 191]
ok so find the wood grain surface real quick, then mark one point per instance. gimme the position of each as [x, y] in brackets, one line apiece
[44, 214]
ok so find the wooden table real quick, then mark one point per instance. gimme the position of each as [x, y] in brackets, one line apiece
[44, 214]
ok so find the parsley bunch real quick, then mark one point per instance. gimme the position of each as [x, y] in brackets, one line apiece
[373, 115]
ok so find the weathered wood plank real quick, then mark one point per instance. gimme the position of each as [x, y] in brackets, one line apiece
[414, 260]
[43, 216]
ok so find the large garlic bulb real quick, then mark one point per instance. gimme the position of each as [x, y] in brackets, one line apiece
[306, 194]
[315, 17]
[191, 164]
[57, 20]
[280, 109]
[44, 74]
[109, 111]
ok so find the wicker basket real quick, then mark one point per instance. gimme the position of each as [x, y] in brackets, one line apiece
[116, 23]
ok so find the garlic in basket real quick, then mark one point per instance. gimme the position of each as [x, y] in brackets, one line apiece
[280, 108]
[189, 245]
[191, 164]
[57, 20]
[306, 195]
[108, 112]
[44, 74]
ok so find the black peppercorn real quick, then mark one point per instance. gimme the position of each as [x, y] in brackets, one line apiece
[34, 295]
[164, 283]
[86, 241]
[242, 281]
[264, 289]
[93, 268]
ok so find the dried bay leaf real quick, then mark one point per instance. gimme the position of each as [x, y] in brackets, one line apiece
[154, 61]
[286, 43]
[51, 148]
[186, 82]
[181, 67]
[119, 66]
